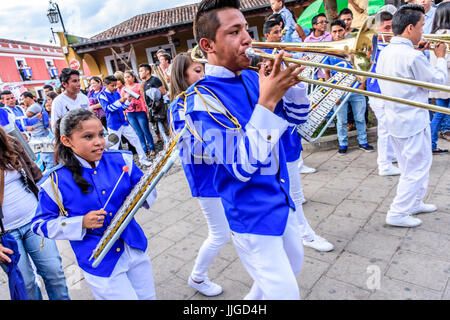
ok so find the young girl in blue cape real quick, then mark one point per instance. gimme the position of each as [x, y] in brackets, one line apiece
[74, 206]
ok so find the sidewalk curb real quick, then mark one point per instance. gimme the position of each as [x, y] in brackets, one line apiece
[331, 142]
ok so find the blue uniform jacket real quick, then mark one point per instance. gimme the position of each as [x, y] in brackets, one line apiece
[199, 174]
[48, 222]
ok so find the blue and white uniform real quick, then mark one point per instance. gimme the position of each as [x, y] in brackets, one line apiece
[251, 176]
[200, 174]
[385, 150]
[50, 223]
[21, 119]
[116, 122]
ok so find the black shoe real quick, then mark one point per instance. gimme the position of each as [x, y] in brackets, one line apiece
[439, 151]
[366, 147]
[342, 149]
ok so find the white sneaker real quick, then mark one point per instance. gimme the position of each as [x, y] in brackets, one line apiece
[319, 243]
[145, 162]
[305, 169]
[206, 287]
[405, 221]
[392, 171]
[304, 201]
[424, 208]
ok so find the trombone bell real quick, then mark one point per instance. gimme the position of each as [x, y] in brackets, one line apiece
[356, 50]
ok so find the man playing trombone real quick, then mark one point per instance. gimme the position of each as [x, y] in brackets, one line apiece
[409, 126]
[240, 118]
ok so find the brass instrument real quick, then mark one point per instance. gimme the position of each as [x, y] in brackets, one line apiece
[357, 51]
[251, 52]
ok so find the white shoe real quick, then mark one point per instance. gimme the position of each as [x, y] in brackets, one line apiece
[392, 171]
[424, 208]
[206, 287]
[145, 162]
[405, 221]
[305, 169]
[304, 201]
[319, 243]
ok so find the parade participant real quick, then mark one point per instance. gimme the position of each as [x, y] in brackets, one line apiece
[199, 175]
[71, 97]
[409, 126]
[385, 150]
[293, 146]
[22, 122]
[19, 175]
[240, 118]
[79, 198]
[137, 113]
[113, 105]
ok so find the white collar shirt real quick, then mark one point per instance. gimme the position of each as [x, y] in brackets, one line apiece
[400, 59]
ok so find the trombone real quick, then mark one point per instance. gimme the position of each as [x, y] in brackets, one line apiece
[357, 51]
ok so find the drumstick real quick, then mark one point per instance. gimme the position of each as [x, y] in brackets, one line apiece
[124, 169]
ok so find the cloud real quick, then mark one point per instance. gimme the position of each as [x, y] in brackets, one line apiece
[84, 18]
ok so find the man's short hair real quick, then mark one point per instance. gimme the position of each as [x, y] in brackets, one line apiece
[166, 56]
[206, 21]
[384, 16]
[337, 22]
[109, 79]
[5, 93]
[146, 66]
[406, 15]
[27, 94]
[316, 18]
[276, 17]
[161, 51]
[268, 25]
[66, 73]
[47, 86]
[346, 11]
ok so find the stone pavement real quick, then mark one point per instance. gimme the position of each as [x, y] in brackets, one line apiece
[347, 203]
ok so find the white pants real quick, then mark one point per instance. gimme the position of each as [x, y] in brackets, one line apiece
[273, 262]
[414, 161]
[131, 279]
[296, 192]
[132, 137]
[385, 150]
[219, 233]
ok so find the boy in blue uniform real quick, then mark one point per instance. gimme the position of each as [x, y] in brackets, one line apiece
[23, 123]
[113, 105]
[240, 118]
[71, 199]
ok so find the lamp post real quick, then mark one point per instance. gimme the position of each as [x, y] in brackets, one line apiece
[54, 15]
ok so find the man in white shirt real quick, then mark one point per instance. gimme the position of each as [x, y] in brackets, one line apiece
[71, 98]
[409, 126]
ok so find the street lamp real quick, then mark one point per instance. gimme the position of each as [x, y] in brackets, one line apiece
[54, 15]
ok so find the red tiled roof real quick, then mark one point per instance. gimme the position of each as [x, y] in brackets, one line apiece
[173, 16]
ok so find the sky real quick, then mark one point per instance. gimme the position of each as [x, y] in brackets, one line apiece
[26, 20]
